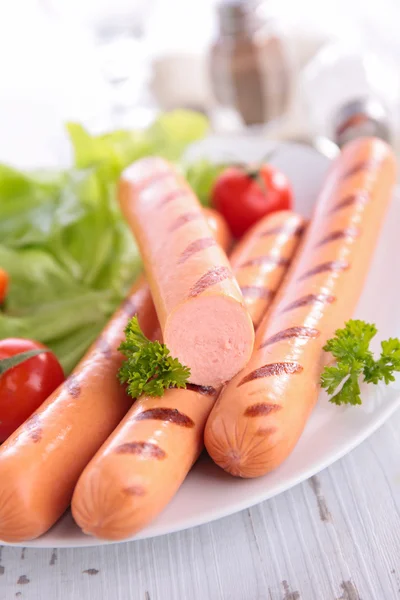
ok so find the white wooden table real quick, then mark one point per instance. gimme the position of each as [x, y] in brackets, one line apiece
[334, 537]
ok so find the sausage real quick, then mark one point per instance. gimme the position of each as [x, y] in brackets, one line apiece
[142, 465]
[219, 228]
[262, 412]
[198, 301]
[4, 280]
[262, 257]
[41, 462]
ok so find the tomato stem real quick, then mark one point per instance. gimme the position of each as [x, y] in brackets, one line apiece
[9, 363]
[254, 173]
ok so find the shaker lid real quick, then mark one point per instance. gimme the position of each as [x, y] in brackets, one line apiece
[233, 14]
[359, 118]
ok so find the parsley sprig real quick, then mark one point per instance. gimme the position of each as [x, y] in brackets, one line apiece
[149, 368]
[354, 360]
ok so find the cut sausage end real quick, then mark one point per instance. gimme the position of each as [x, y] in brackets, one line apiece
[213, 336]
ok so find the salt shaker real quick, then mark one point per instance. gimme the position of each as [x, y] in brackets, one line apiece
[250, 65]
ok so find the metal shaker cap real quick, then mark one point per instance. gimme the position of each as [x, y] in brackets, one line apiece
[233, 15]
[360, 118]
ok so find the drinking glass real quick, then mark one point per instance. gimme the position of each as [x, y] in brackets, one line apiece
[118, 29]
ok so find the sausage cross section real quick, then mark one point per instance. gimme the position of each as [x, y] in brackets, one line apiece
[262, 412]
[202, 315]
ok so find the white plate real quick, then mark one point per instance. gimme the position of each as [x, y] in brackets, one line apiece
[208, 493]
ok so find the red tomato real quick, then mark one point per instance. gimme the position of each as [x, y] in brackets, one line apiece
[3, 285]
[24, 387]
[244, 196]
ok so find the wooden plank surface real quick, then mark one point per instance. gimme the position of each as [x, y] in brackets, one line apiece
[334, 537]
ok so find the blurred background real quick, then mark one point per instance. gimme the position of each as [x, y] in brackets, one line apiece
[313, 71]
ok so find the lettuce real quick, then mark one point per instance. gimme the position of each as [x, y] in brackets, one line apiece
[201, 176]
[69, 253]
[168, 136]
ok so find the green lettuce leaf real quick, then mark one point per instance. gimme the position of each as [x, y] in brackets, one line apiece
[201, 176]
[168, 136]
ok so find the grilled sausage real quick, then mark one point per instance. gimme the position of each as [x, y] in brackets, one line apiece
[140, 468]
[219, 228]
[42, 460]
[262, 412]
[40, 463]
[198, 301]
[261, 259]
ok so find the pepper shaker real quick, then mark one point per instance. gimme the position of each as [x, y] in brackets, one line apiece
[250, 64]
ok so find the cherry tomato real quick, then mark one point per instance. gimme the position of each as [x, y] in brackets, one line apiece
[24, 387]
[243, 195]
[3, 285]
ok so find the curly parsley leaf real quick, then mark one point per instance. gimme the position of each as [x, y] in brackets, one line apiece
[149, 367]
[354, 359]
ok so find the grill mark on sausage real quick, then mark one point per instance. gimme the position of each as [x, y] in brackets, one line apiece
[357, 198]
[291, 332]
[349, 233]
[172, 415]
[34, 428]
[104, 347]
[72, 386]
[129, 307]
[174, 195]
[212, 277]
[134, 490]
[265, 260]
[360, 166]
[256, 291]
[195, 247]
[143, 449]
[271, 370]
[331, 265]
[204, 390]
[183, 219]
[310, 299]
[288, 229]
[261, 409]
